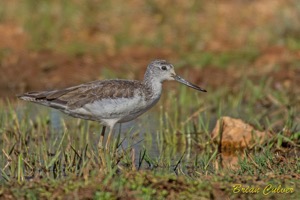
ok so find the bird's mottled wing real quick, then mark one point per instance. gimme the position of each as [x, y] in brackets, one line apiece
[111, 89]
[78, 96]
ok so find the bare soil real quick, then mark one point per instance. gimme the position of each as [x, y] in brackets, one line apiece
[26, 71]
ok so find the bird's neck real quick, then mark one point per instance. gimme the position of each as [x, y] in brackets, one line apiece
[153, 86]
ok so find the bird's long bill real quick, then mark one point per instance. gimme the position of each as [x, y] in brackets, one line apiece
[185, 82]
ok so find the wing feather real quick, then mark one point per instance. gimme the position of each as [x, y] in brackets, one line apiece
[78, 96]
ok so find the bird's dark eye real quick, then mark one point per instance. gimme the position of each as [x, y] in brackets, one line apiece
[164, 67]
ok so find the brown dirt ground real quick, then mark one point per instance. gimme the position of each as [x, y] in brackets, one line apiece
[25, 71]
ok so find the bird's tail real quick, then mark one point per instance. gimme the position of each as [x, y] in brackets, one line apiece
[44, 98]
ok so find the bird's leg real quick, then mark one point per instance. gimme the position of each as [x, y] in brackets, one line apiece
[103, 131]
[109, 137]
[100, 144]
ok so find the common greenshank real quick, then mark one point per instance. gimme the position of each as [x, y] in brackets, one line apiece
[111, 101]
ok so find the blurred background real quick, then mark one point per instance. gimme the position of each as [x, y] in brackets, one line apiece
[57, 43]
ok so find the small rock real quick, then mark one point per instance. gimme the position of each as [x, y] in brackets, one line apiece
[236, 134]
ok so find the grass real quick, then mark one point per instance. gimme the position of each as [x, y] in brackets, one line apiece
[77, 27]
[39, 158]
[221, 59]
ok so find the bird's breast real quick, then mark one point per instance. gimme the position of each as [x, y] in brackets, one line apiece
[123, 109]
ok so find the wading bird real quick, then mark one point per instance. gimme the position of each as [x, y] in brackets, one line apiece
[111, 101]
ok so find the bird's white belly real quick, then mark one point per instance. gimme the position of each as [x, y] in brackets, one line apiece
[120, 109]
